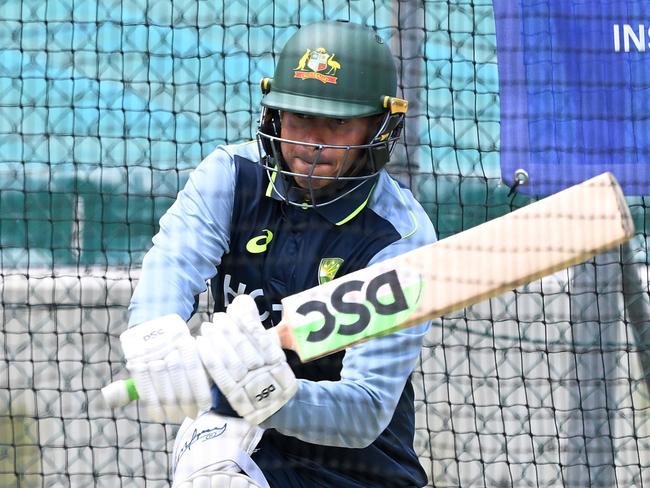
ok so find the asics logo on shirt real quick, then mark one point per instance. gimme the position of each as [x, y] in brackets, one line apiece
[259, 244]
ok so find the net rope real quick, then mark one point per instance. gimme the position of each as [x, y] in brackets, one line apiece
[106, 107]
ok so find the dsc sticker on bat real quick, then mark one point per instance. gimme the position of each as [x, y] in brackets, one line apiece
[354, 312]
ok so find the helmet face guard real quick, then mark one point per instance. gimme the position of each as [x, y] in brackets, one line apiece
[351, 174]
[337, 70]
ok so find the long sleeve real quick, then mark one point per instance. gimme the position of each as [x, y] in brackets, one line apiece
[193, 236]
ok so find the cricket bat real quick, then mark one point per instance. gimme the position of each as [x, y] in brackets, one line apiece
[542, 238]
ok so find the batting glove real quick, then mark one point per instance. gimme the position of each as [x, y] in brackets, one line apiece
[246, 361]
[163, 360]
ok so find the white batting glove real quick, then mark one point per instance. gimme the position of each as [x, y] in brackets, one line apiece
[163, 360]
[246, 361]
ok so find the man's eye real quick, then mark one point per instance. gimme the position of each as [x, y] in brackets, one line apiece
[341, 121]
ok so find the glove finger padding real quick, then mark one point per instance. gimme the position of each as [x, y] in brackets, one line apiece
[248, 352]
[213, 348]
[268, 382]
[173, 363]
[163, 359]
[266, 342]
[194, 371]
[163, 382]
[243, 309]
[146, 390]
[223, 349]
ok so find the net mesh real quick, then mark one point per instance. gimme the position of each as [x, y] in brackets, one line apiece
[105, 108]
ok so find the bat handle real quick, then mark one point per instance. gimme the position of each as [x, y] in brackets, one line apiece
[122, 392]
[287, 339]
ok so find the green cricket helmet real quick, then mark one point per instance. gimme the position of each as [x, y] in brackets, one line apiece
[338, 70]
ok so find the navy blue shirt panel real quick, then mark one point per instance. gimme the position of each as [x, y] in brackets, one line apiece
[289, 264]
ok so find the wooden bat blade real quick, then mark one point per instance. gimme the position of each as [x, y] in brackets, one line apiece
[561, 230]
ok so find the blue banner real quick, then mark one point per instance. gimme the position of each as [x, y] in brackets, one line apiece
[574, 80]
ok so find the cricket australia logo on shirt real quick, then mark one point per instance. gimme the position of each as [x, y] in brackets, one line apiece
[313, 65]
[328, 268]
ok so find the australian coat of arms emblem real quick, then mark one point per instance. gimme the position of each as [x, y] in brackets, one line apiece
[317, 64]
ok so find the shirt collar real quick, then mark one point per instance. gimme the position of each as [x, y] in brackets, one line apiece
[338, 212]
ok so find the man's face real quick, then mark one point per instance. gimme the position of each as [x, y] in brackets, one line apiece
[322, 130]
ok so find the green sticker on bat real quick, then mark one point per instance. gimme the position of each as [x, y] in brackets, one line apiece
[385, 305]
[131, 390]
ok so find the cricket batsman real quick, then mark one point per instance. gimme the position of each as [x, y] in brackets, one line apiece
[309, 200]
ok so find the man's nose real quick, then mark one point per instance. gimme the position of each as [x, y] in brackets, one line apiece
[314, 131]
[312, 135]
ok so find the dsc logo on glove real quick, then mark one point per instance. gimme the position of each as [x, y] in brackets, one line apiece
[153, 334]
[265, 392]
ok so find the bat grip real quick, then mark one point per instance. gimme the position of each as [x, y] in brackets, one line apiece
[287, 339]
[122, 392]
